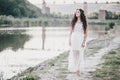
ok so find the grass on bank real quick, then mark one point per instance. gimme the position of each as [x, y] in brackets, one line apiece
[110, 69]
[94, 45]
[48, 64]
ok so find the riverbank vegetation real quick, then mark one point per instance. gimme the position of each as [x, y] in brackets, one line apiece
[48, 20]
[110, 68]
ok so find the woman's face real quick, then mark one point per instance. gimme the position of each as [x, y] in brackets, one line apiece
[77, 13]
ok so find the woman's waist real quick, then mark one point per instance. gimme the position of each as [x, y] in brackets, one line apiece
[77, 33]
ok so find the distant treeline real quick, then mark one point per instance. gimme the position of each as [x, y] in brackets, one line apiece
[109, 15]
[19, 8]
[46, 20]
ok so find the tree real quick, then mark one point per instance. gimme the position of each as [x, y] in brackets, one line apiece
[18, 8]
[93, 15]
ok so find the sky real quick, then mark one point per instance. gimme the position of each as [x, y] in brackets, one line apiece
[69, 1]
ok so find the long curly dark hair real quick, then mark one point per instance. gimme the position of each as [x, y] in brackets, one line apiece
[83, 20]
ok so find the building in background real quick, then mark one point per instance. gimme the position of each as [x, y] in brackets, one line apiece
[102, 14]
[45, 9]
[85, 7]
[70, 8]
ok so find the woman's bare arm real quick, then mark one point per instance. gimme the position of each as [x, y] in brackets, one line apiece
[70, 35]
[85, 36]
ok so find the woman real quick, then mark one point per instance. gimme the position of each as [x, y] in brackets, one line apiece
[77, 41]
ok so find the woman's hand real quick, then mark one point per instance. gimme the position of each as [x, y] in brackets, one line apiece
[69, 43]
[83, 45]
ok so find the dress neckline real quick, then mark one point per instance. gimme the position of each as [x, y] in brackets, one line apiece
[78, 22]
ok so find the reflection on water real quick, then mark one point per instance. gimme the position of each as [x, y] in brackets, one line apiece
[31, 38]
[21, 48]
[14, 40]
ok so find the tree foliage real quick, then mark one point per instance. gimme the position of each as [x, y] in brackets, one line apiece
[18, 8]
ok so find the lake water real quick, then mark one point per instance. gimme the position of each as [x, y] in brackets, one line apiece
[21, 48]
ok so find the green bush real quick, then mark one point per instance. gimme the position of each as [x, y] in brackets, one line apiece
[107, 28]
[111, 25]
[112, 52]
[28, 77]
[112, 15]
[5, 21]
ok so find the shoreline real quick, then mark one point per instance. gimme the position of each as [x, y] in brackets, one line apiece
[43, 65]
[20, 62]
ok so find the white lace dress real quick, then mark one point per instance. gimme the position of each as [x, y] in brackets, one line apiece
[76, 54]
